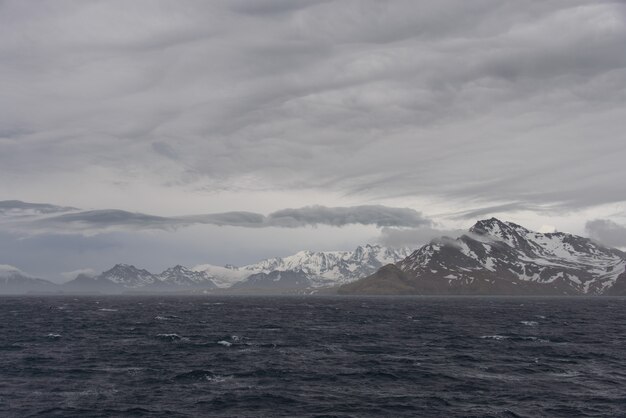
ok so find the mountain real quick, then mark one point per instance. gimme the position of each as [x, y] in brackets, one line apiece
[91, 284]
[301, 271]
[124, 277]
[497, 257]
[313, 269]
[128, 276]
[14, 281]
[275, 281]
[180, 276]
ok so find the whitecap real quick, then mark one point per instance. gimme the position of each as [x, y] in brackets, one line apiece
[217, 378]
[225, 343]
[516, 337]
[165, 317]
[54, 336]
[529, 323]
[541, 340]
[107, 310]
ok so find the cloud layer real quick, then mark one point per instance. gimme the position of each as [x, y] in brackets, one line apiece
[483, 101]
[607, 232]
[99, 220]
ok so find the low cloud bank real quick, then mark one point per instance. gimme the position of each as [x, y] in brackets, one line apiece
[607, 232]
[94, 220]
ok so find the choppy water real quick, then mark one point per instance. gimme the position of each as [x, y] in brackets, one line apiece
[342, 357]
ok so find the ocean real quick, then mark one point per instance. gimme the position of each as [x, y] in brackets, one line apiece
[169, 356]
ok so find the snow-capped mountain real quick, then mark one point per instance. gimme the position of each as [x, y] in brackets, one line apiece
[128, 276]
[124, 277]
[314, 268]
[498, 257]
[303, 270]
[181, 276]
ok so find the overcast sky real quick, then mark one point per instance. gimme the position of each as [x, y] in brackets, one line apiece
[228, 131]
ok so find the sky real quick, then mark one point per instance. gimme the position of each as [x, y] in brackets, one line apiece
[158, 132]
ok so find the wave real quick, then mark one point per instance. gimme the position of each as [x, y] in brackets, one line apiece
[513, 338]
[201, 375]
[171, 337]
[166, 317]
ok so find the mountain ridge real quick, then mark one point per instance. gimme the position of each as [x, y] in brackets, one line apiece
[301, 272]
[497, 257]
[492, 257]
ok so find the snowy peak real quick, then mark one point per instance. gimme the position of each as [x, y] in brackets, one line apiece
[128, 276]
[183, 276]
[508, 232]
[313, 268]
[123, 277]
[328, 267]
[506, 258]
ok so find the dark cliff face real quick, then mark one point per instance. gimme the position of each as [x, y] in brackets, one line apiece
[276, 280]
[501, 258]
[619, 288]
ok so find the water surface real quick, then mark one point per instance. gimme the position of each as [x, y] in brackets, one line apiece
[313, 357]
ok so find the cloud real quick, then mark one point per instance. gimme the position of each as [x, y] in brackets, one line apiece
[70, 275]
[607, 232]
[414, 237]
[106, 218]
[6, 269]
[17, 207]
[165, 150]
[381, 216]
[496, 209]
[241, 219]
[447, 99]
[98, 220]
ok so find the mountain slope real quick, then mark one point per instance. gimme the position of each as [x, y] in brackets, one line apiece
[276, 281]
[498, 257]
[180, 276]
[14, 281]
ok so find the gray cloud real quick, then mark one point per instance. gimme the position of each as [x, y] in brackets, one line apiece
[69, 275]
[241, 219]
[449, 99]
[17, 207]
[95, 220]
[380, 216]
[414, 237]
[607, 232]
[165, 150]
[501, 208]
